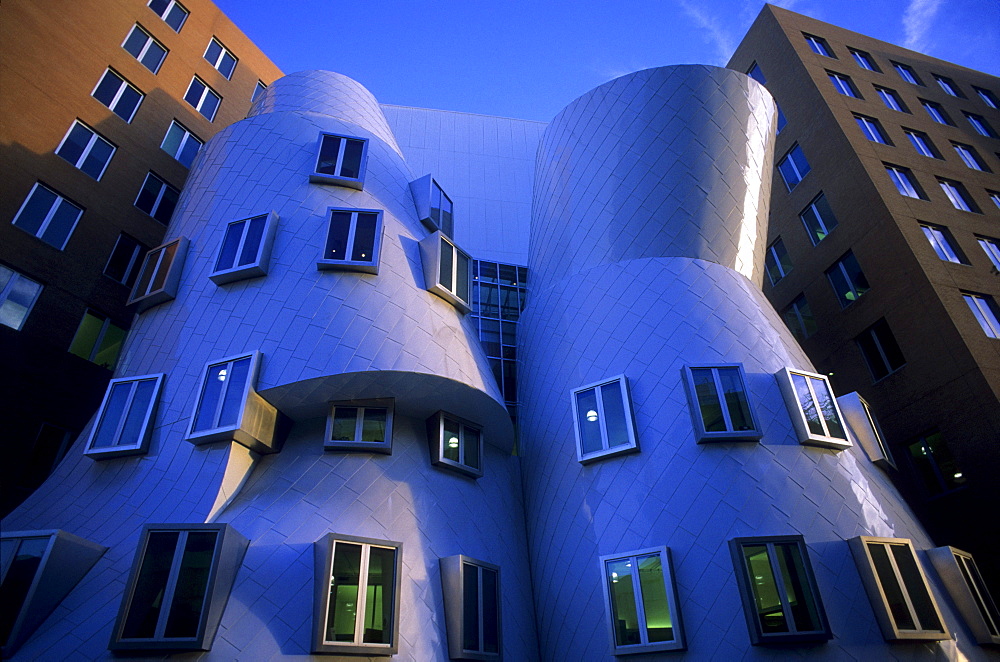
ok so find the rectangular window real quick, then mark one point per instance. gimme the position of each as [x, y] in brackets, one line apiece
[818, 219]
[117, 94]
[905, 183]
[257, 91]
[157, 198]
[160, 275]
[866, 430]
[143, 47]
[969, 156]
[720, 403]
[984, 308]
[948, 85]
[246, 249]
[353, 240]
[897, 588]
[447, 270]
[777, 262]
[906, 73]
[357, 595]
[434, 207]
[48, 216]
[18, 294]
[171, 11]
[641, 602]
[871, 129]
[847, 279]
[225, 389]
[799, 318]
[957, 195]
[471, 607]
[219, 57]
[935, 464]
[340, 160]
[603, 419]
[890, 99]
[818, 45]
[98, 340]
[864, 60]
[793, 167]
[995, 197]
[781, 601]
[203, 98]
[936, 112]
[961, 578]
[125, 260]
[815, 415]
[843, 84]
[360, 425]
[988, 97]
[940, 241]
[126, 417]
[86, 150]
[181, 144]
[880, 349]
[980, 125]
[992, 249]
[755, 73]
[922, 143]
[455, 444]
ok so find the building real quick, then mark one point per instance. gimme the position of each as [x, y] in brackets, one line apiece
[95, 151]
[884, 251]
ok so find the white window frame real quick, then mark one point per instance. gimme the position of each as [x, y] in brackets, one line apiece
[870, 128]
[906, 73]
[965, 585]
[904, 182]
[88, 148]
[890, 99]
[956, 196]
[772, 257]
[936, 112]
[843, 84]
[49, 215]
[702, 435]
[818, 45]
[369, 266]
[216, 430]
[186, 137]
[432, 249]
[164, 187]
[122, 85]
[983, 308]
[948, 85]
[259, 265]
[991, 247]
[199, 106]
[796, 170]
[121, 447]
[969, 157]
[921, 143]
[978, 123]
[863, 59]
[435, 435]
[357, 443]
[223, 52]
[866, 430]
[144, 49]
[171, 5]
[95, 349]
[825, 439]
[13, 277]
[937, 236]
[150, 296]
[986, 96]
[606, 450]
[337, 177]
[453, 574]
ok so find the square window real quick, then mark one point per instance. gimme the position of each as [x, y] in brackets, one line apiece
[125, 260]
[720, 404]
[961, 578]
[984, 308]
[48, 216]
[818, 219]
[160, 275]
[126, 417]
[86, 150]
[871, 128]
[641, 603]
[922, 143]
[799, 318]
[447, 271]
[776, 261]
[181, 144]
[991, 247]
[246, 249]
[18, 294]
[813, 409]
[942, 243]
[866, 430]
[793, 167]
[471, 607]
[969, 156]
[171, 11]
[157, 198]
[897, 588]
[864, 60]
[987, 97]
[178, 587]
[818, 45]
[880, 349]
[948, 85]
[433, 205]
[340, 160]
[356, 605]
[755, 73]
[455, 444]
[120, 96]
[906, 73]
[847, 279]
[257, 91]
[603, 419]
[219, 57]
[141, 45]
[781, 600]
[957, 195]
[936, 112]
[98, 340]
[890, 99]
[935, 464]
[980, 125]
[353, 240]
[904, 181]
[203, 98]
[360, 425]
[843, 84]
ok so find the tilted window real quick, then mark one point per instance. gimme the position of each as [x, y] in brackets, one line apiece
[720, 403]
[987, 97]
[813, 409]
[847, 279]
[881, 351]
[203, 98]
[120, 96]
[171, 11]
[143, 47]
[818, 219]
[86, 150]
[157, 198]
[969, 156]
[957, 195]
[922, 143]
[98, 340]
[353, 240]
[755, 73]
[48, 216]
[793, 167]
[434, 207]
[891, 99]
[936, 112]
[941, 242]
[864, 60]
[360, 425]
[995, 197]
[861, 421]
[991, 247]
[603, 419]
[125, 419]
[948, 85]
[906, 73]
[818, 45]
[18, 294]
[935, 464]
[181, 144]
[776, 261]
[455, 444]
[843, 84]
[160, 275]
[447, 271]
[340, 160]
[471, 607]
[799, 318]
[872, 129]
[904, 181]
[984, 309]
[246, 249]
[960, 576]
[980, 125]
[257, 91]
[219, 57]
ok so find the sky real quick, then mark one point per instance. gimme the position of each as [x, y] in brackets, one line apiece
[528, 59]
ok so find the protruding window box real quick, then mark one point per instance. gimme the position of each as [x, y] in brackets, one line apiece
[456, 444]
[246, 249]
[866, 430]
[340, 160]
[160, 275]
[434, 208]
[603, 420]
[125, 420]
[360, 425]
[811, 404]
[447, 271]
[720, 403]
[471, 607]
[960, 576]
[353, 241]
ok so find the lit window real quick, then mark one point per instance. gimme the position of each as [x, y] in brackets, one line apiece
[847, 279]
[935, 464]
[904, 181]
[957, 195]
[793, 167]
[897, 588]
[179, 585]
[125, 419]
[799, 318]
[880, 349]
[219, 57]
[906, 73]
[777, 262]
[988, 98]
[781, 601]
[843, 85]
[818, 219]
[224, 393]
[870, 127]
[120, 96]
[353, 240]
[471, 607]
[948, 85]
[758, 75]
[890, 99]
[361, 425]
[246, 249]
[922, 143]
[160, 275]
[961, 578]
[942, 245]
[125, 260]
[992, 249]
[157, 198]
[447, 271]
[141, 45]
[985, 311]
[818, 45]
[815, 415]
[969, 157]
[641, 602]
[936, 112]
[48, 216]
[86, 150]
[866, 430]
[98, 340]
[980, 125]
[203, 98]
[18, 294]
[340, 160]
[456, 444]
[603, 419]
[181, 144]
[171, 11]
[720, 403]
[864, 60]
[257, 91]
[434, 207]
[357, 589]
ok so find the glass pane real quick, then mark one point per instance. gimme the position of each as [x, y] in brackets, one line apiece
[167, 204]
[364, 237]
[163, 269]
[984, 601]
[345, 421]
[148, 264]
[352, 159]
[192, 585]
[379, 596]
[916, 587]
[470, 607]
[189, 151]
[890, 587]
[488, 272]
[509, 309]
[61, 224]
[659, 624]
[194, 92]
[227, 65]
[336, 238]
[213, 52]
[770, 613]
[154, 56]
[86, 336]
[111, 347]
[17, 581]
[624, 615]
[100, 154]
[590, 426]
[450, 445]
[941, 456]
[373, 428]
[35, 210]
[801, 601]
[614, 415]
[127, 103]
[491, 612]
[210, 105]
[462, 277]
[204, 418]
[107, 88]
[708, 400]
[328, 151]
[447, 266]
[251, 245]
[133, 428]
[232, 405]
[807, 405]
[150, 585]
[107, 429]
[230, 244]
[175, 18]
[489, 300]
[75, 143]
[342, 612]
[471, 443]
[828, 407]
[736, 399]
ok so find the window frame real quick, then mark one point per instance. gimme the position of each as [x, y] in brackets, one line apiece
[949, 86]
[853, 286]
[907, 73]
[356, 444]
[171, 277]
[991, 247]
[205, 93]
[364, 266]
[777, 259]
[186, 136]
[937, 112]
[986, 97]
[606, 450]
[942, 243]
[259, 265]
[424, 191]
[890, 99]
[922, 143]
[984, 308]
[755, 72]
[790, 158]
[864, 60]
[223, 52]
[337, 177]
[871, 129]
[46, 221]
[961, 578]
[217, 431]
[96, 347]
[140, 444]
[822, 224]
[866, 430]
[798, 417]
[800, 318]
[844, 85]
[435, 436]
[88, 149]
[145, 48]
[980, 125]
[8, 288]
[257, 91]
[122, 85]
[702, 435]
[904, 181]
[172, 4]
[155, 209]
[969, 156]
[818, 45]
[134, 265]
[453, 574]
[957, 195]
[431, 254]
[877, 337]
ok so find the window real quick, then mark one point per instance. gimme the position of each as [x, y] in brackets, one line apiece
[98, 340]
[160, 275]
[948, 85]
[341, 160]
[456, 444]
[720, 404]
[980, 125]
[799, 318]
[471, 607]
[357, 595]
[815, 415]
[170, 11]
[922, 143]
[904, 181]
[866, 430]
[906, 73]
[203, 98]
[847, 279]
[178, 587]
[361, 425]
[818, 45]
[936, 112]
[880, 349]
[603, 419]
[224, 392]
[219, 57]
[793, 167]
[969, 157]
[897, 588]
[157, 198]
[257, 91]
[126, 258]
[957, 195]
[985, 311]
[871, 128]
[120, 96]
[141, 45]
[181, 144]
[995, 197]
[777, 262]
[641, 601]
[246, 249]
[18, 294]
[818, 219]
[988, 98]
[941, 243]
[433, 205]
[992, 249]
[447, 271]
[864, 60]
[961, 578]
[843, 85]
[86, 150]
[353, 240]
[781, 122]
[781, 601]
[890, 99]
[935, 464]
[125, 418]
[755, 73]
[48, 216]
